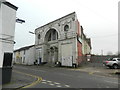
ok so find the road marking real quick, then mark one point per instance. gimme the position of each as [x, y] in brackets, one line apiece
[44, 82]
[49, 81]
[91, 72]
[56, 83]
[67, 86]
[58, 86]
[39, 79]
[52, 84]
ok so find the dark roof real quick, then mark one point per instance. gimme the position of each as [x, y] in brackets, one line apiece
[24, 48]
[55, 20]
[10, 5]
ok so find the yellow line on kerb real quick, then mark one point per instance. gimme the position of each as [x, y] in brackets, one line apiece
[39, 79]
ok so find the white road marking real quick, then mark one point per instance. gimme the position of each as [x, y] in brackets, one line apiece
[52, 84]
[67, 86]
[49, 81]
[58, 86]
[56, 83]
[44, 82]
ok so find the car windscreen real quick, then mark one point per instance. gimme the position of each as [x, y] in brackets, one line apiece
[109, 59]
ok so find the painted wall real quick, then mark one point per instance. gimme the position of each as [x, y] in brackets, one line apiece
[1, 54]
[85, 47]
[26, 56]
[30, 56]
[7, 28]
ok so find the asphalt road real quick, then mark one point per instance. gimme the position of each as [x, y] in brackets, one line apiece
[52, 77]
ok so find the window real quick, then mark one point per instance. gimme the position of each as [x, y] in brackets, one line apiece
[24, 60]
[24, 52]
[49, 38]
[54, 35]
[114, 60]
[66, 28]
[51, 35]
[38, 36]
[118, 59]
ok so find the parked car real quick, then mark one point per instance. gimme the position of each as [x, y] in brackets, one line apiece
[112, 63]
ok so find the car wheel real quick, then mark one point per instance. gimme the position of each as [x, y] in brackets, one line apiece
[115, 66]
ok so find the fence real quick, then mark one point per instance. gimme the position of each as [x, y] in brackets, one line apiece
[95, 61]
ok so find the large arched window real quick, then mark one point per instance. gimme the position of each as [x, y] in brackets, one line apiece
[51, 35]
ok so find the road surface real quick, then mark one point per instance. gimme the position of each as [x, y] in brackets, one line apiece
[52, 77]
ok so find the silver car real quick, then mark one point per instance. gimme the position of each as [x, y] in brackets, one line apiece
[112, 63]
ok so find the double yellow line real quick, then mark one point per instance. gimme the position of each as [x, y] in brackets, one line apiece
[39, 79]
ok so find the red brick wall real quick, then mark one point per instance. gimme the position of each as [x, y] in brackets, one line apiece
[79, 47]
[79, 44]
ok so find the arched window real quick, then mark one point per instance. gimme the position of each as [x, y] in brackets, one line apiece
[39, 36]
[51, 35]
[66, 28]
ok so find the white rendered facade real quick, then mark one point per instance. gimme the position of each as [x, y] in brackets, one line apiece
[25, 55]
[7, 28]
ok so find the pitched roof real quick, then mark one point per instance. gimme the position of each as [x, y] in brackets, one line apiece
[9, 4]
[24, 48]
[56, 20]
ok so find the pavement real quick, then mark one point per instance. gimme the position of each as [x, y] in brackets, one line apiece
[18, 80]
[103, 71]
[22, 80]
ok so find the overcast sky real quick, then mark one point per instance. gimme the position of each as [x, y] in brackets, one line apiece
[99, 19]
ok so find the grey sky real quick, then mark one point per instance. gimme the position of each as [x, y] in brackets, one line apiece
[99, 19]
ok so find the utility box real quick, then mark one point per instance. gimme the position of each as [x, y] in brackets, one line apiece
[7, 29]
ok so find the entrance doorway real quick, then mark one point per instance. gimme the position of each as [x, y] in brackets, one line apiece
[51, 40]
[52, 55]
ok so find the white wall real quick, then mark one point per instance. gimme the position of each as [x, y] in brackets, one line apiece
[85, 47]
[7, 27]
[26, 58]
[30, 56]
[1, 56]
